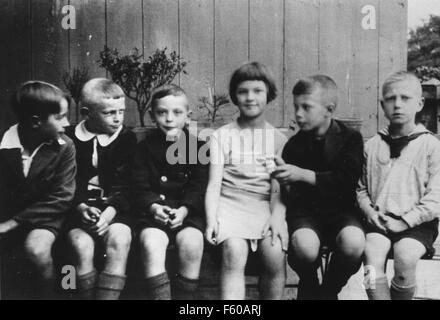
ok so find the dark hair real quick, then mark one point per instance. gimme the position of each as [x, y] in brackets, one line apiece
[310, 84]
[249, 72]
[37, 98]
[163, 91]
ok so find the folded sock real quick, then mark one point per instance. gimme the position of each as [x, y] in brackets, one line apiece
[109, 286]
[379, 289]
[402, 292]
[158, 287]
[184, 288]
[86, 285]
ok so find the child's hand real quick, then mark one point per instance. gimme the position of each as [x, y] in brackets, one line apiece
[90, 215]
[395, 225]
[278, 228]
[288, 173]
[211, 232]
[100, 228]
[7, 226]
[377, 218]
[179, 215]
[160, 213]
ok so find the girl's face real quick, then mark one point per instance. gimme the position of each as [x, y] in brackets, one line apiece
[252, 98]
[171, 114]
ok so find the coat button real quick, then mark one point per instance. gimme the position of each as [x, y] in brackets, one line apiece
[164, 179]
[162, 197]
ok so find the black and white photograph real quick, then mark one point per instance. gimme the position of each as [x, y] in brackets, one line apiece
[216, 150]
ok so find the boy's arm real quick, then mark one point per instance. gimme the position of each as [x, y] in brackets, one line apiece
[119, 194]
[143, 193]
[60, 196]
[429, 206]
[344, 177]
[195, 188]
[362, 196]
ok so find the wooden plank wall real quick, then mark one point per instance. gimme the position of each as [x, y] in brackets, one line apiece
[294, 38]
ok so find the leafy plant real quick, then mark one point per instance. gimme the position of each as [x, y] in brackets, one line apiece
[425, 73]
[212, 104]
[138, 77]
[74, 83]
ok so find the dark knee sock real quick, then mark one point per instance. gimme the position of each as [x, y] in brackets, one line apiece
[400, 292]
[44, 288]
[86, 286]
[339, 272]
[379, 290]
[109, 286]
[158, 287]
[184, 288]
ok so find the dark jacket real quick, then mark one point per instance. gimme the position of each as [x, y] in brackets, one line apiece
[155, 180]
[337, 161]
[42, 199]
[114, 161]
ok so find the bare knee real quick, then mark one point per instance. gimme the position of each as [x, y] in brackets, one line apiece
[119, 237]
[153, 241]
[406, 256]
[305, 246]
[235, 252]
[350, 242]
[190, 244]
[38, 247]
[82, 243]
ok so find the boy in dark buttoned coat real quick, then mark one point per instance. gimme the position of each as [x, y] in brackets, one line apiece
[37, 178]
[321, 165]
[169, 197]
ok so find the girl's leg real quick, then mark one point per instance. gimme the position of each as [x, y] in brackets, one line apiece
[232, 280]
[304, 260]
[407, 253]
[111, 281]
[345, 261]
[377, 247]
[154, 244]
[273, 269]
[38, 248]
[189, 243]
[83, 249]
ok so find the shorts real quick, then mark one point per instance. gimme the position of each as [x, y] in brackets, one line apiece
[426, 234]
[326, 225]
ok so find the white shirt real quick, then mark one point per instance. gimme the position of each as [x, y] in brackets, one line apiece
[11, 140]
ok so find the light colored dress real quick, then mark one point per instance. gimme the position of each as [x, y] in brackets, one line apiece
[244, 204]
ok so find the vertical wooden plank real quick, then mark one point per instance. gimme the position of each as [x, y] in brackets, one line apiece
[161, 25]
[301, 55]
[393, 24]
[231, 40]
[15, 65]
[124, 32]
[197, 47]
[50, 47]
[365, 69]
[266, 46]
[88, 39]
[335, 49]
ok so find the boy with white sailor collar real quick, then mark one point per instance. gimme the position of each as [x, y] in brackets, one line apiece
[104, 149]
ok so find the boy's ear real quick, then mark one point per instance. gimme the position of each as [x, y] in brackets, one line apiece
[190, 112]
[152, 116]
[421, 104]
[331, 108]
[381, 103]
[35, 122]
[84, 111]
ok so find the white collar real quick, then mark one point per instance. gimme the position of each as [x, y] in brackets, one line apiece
[11, 140]
[417, 129]
[104, 140]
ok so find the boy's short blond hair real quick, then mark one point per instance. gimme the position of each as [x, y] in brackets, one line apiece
[401, 76]
[97, 90]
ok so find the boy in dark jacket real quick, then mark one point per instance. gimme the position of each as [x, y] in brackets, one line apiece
[169, 197]
[324, 163]
[99, 216]
[37, 177]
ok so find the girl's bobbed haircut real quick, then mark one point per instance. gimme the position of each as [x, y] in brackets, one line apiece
[252, 71]
[37, 98]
